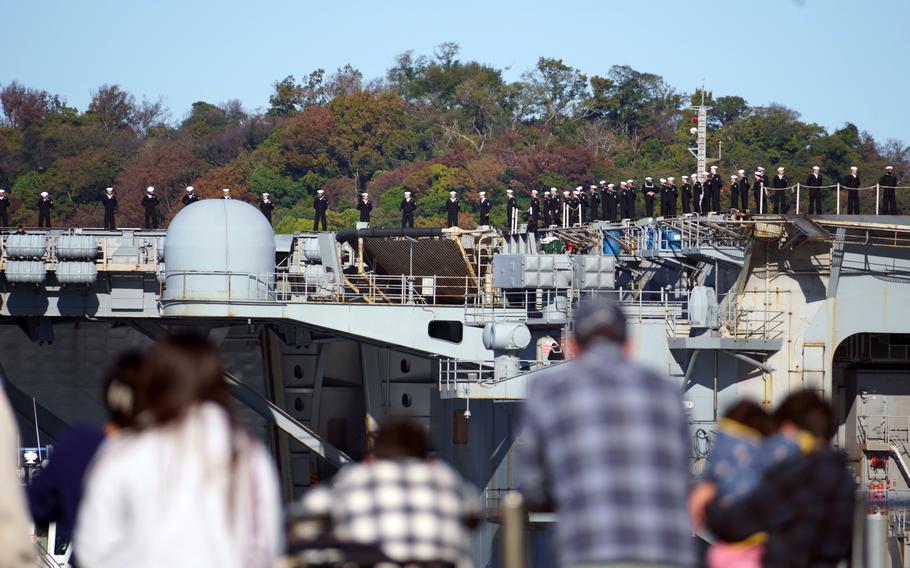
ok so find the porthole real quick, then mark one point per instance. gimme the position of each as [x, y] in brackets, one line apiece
[298, 404]
[406, 400]
[298, 372]
[405, 366]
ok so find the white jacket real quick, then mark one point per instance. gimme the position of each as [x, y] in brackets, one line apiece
[160, 498]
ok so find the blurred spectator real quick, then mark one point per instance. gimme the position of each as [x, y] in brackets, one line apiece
[416, 509]
[184, 485]
[745, 446]
[55, 493]
[606, 445]
[16, 549]
[805, 503]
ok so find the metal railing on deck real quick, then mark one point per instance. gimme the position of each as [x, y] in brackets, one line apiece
[284, 287]
[454, 373]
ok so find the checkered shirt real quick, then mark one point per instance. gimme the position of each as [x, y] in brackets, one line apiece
[606, 444]
[414, 509]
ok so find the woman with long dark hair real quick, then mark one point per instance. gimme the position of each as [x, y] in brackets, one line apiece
[183, 485]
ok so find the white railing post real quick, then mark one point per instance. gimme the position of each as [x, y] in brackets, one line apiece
[838, 198]
[877, 188]
[797, 198]
[761, 199]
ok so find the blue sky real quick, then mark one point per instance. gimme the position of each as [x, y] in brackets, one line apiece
[831, 60]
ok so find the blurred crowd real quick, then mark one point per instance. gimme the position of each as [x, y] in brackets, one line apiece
[174, 479]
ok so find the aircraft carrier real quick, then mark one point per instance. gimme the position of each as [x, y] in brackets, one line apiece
[326, 333]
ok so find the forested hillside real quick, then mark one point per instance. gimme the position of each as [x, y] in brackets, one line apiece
[432, 124]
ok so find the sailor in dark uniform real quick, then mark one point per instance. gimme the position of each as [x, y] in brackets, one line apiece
[109, 201]
[623, 201]
[685, 191]
[266, 205]
[593, 204]
[407, 206]
[4, 209]
[533, 212]
[547, 206]
[583, 204]
[715, 185]
[484, 206]
[759, 193]
[452, 209]
[668, 197]
[511, 212]
[632, 196]
[190, 196]
[744, 187]
[852, 182]
[780, 199]
[604, 198]
[44, 210]
[887, 183]
[575, 207]
[698, 192]
[814, 182]
[649, 190]
[734, 192]
[226, 193]
[320, 206]
[365, 206]
[150, 204]
[556, 210]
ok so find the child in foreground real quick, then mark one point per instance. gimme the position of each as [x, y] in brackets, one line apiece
[746, 446]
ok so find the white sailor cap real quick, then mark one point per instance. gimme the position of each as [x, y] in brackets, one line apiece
[2, 190]
[603, 181]
[452, 193]
[109, 189]
[533, 192]
[704, 173]
[189, 189]
[733, 177]
[630, 181]
[509, 191]
[265, 194]
[566, 192]
[761, 169]
[226, 190]
[694, 175]
[741, 172]
[319, 192]
[579, 188]
[482, 193]
[853, 168]
[685, 177]
[713, 168]
[553, 189]
[889, 167]
[592, 187]
[671, 178]
[648, 178]
[663, 180]
[815, 168]
[407, 193]
[576, 190]
[780, 170]
[611, 185]
[364, 194]
[150, 189]
[622, 183]
[43, 194]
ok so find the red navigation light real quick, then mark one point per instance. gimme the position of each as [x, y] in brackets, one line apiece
[694, 120]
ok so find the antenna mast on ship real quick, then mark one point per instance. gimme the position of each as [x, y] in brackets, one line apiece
[700, 151]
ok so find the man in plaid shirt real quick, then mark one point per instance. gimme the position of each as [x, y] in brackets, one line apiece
[606, 445]
[413, 508]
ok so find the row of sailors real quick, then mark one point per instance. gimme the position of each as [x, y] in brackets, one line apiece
[697, 193]
[150, 203]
